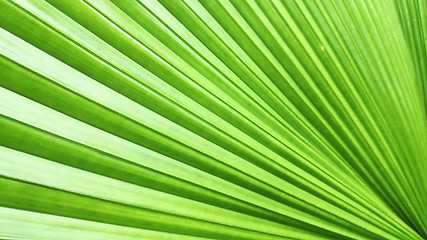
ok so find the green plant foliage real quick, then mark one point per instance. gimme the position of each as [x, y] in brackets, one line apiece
[213, 119]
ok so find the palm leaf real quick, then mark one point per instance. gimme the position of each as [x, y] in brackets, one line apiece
[185, 119]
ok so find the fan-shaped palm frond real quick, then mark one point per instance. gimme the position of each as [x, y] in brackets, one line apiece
[213, 119]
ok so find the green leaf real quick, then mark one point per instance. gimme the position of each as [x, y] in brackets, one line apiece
[221, 119]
